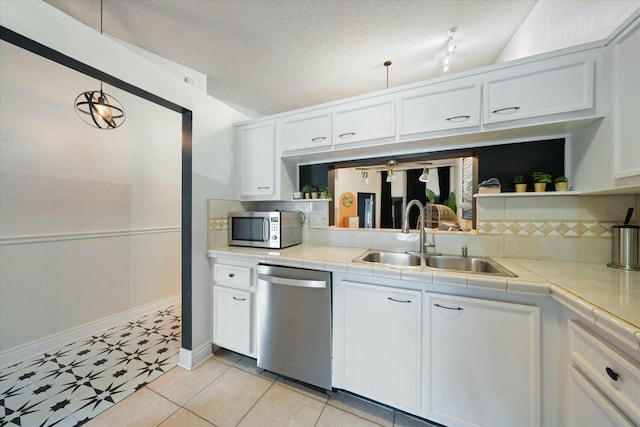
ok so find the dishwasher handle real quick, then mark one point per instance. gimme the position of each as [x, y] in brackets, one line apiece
[301, 283]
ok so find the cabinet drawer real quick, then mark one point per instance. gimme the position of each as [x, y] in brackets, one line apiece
[610, 370]
[231, 275]
[586, 406]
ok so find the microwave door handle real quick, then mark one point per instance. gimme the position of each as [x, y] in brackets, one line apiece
[265, 230]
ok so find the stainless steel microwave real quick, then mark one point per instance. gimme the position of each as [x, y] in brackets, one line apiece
[265, 229]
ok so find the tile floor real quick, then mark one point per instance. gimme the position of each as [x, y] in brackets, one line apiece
[228, 390]
[127, 376]
[74, 383]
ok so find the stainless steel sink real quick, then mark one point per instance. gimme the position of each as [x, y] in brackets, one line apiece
[396, 259]
[467, 265]
[473, 265]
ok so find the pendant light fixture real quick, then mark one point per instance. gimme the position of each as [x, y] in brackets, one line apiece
[387, 64]
[97, 108]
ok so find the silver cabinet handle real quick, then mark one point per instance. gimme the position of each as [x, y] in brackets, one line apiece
[507, 110]
[239, 299]
[404, 301]
[448, 308]
[346, 135]
[319, 139]
[458, 119]
[263, 188]
[292, 282]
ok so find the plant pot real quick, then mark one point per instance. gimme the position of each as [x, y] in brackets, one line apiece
[521, 188]
[539, 187]
[307, 195]
[314, 195]
[298, 195]
[562, 186]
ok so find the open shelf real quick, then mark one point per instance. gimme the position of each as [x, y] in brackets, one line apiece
[529, 194]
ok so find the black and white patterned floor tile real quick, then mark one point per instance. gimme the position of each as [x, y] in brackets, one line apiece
[71, 385]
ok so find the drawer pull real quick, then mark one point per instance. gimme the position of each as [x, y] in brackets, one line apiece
[458, 119]
[347, 135]
[319, 139]
[231, 275]
[264, 188]
[404, 301]
[612, 374]
[239, 299]
[448, 308]
[508, 110]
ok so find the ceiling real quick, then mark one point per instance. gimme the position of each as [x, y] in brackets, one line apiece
[277, 55]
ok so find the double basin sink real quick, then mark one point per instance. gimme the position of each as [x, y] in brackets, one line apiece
[475, 265]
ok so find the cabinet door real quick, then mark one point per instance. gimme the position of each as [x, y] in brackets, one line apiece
[364, 120]
[482, 362]
[554, 86]
[626, 104]
[440, 107]
[586, 406]
[256, 154]
[303, 131]
[378, 343]
[232, 319]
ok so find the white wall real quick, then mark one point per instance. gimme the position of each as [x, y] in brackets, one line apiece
[213, 150]
[557, 24]
[89, 219]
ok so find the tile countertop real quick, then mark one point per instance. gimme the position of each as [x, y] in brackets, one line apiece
[603, 295]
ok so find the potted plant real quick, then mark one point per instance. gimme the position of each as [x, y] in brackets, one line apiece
[520, 183]
[307, 189]
[562, 183]
[324, 192]
[540, 181]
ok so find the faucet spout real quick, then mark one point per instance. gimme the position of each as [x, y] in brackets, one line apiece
[405, 222]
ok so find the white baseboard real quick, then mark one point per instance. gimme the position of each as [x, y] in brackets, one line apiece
[34, 348]
[190, 359]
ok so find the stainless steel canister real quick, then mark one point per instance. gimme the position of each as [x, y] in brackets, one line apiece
[625, 247]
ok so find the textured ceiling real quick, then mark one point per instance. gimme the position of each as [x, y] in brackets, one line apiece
[277, 55]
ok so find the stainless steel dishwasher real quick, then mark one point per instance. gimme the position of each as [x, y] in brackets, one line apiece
[293, 309]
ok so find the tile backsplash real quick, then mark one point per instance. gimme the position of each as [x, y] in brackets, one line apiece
[563, 228]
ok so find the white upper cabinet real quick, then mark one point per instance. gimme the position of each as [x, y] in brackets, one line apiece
[306, 130]
[263, 175]
[443, 106]
[625, 53]
[364, 120]
[257, 156]
[547, 87]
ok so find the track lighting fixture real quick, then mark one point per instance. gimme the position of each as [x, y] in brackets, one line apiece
[425, 175]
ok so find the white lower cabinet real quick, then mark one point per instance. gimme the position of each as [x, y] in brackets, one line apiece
[603, 375]
[482, 361]
[455, 360]
[586, 406]
[233, 305]
[377, 343]
[232, 319]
